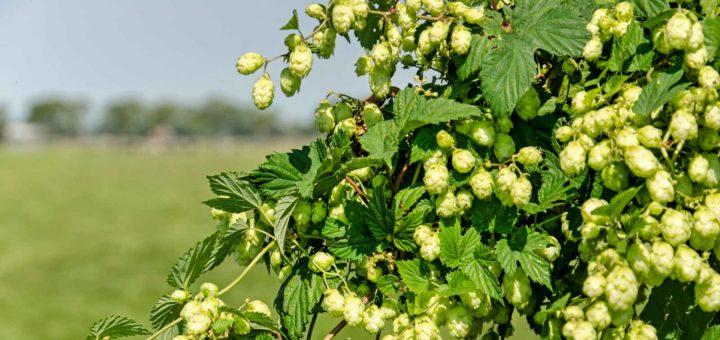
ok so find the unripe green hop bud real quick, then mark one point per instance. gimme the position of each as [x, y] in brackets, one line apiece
[349, 126]
[197, 324]
[639, 258]
[363, 65]
[662, 255]
[624, 11]
[572, 159]
[660, 186]
[676, 226]
[648, 227]
[324, 40]
[707, 294]
[479, 303]
[436, 178]
[528, 105]
[521, 191]
[430, 249]
[529, 156]
[445, 140]
[460, 40]
[696, 59]
[641, 161]
[284, 273]
[382, 55]
[422, 234]
[622, 288]
[482, 184]
[400, 323]
[626, 137]
[600, 155]
[699, 168]
[438, 32]
[425, 45]
[437, 158]
[208, 289]
[458, 322]
[315, 11]
[324, 117]
[362, 174]
[581, 102]
[300, 61]
[650, 136]
[503, 124]
[464, 199]
[394, 37]
[258, 306]
[371, 114]
[569, 329]
[463, 161]
[457, 8]
[505, 178]
[321, 262]
[342, 18]
[564, 133]
[293, 40]
[373, 319]
[276, 260]
[705, 229]
[389, 309]
[660, 40]
[446, 204]
[683, 125]
[598, 315]
[179, 295]
[289, 83]
[302, 213]
[712, 178]
[189, 309]
[434, 7]
[517, 288]
[319, 211]
[687, 264]
[353, 309]
[678, 30]
[380, 80]
[504, 146]
[641, 331]
[593, 49]
[697, 37]
[708, 77]
[211, 306]
[474, 15]
[342, 111]
[425, 328]
[250, 62]
[263, 92]
[594, 285]
[587, 211]
[483, 133]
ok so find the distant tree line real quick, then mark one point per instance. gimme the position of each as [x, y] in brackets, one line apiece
[132, 117]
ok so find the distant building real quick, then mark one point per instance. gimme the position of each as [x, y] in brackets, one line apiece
[23, 133]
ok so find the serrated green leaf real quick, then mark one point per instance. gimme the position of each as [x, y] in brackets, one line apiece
[297, 297]
[415, 275]
[479, 46]
[279, 175]
[626, 47]
[712, 333]
[381, 141]
[659, 91]
[194, 262]
[116, 326]
[491, 215]
[164, 312]
[221, 325]
[349, 242]
[457, 248]
[551, 26]
[406, 198]
[617, 204]
[424, 144]
[292, 24]
[520, 248]
[477, 269]
[507, 72]
[259, 320]
[457, 283]
[651, 8]
[554, 189]
[389, 285]
[236, 193]
[283, 211]
[711, 29]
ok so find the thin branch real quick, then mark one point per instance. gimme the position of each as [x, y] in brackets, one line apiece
[398, 180]
[357, 189]
[312, 325]
[162, 330]
[335, 330]
[247, 269]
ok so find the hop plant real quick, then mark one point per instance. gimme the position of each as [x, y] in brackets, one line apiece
[553, 171]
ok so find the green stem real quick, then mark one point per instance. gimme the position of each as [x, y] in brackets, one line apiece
[162, 330]
[247, 269]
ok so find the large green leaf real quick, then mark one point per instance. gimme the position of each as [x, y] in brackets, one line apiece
[236, 193]
[349, 242]
[381, 141]
[279, 175]
[478, 270]
[479, 46]
[415, 275]
[551, 26]
[651, 8]
[711, 29]
[520, 248]
[164, 312]
[116, 326]
[659, 91]
[491, 215]
[457, 248]
[194, 262]
[507, 73]
[283, 211]
[296, 299]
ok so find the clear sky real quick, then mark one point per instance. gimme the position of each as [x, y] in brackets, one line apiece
[154, 49]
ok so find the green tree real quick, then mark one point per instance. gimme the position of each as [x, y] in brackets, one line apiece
[126, 116]
[60, 116]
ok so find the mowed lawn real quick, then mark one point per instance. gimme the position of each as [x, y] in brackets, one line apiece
[89, 231]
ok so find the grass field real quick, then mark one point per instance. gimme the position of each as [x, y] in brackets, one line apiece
[89, 232]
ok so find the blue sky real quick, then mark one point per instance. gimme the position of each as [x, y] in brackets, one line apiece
[160, 49]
